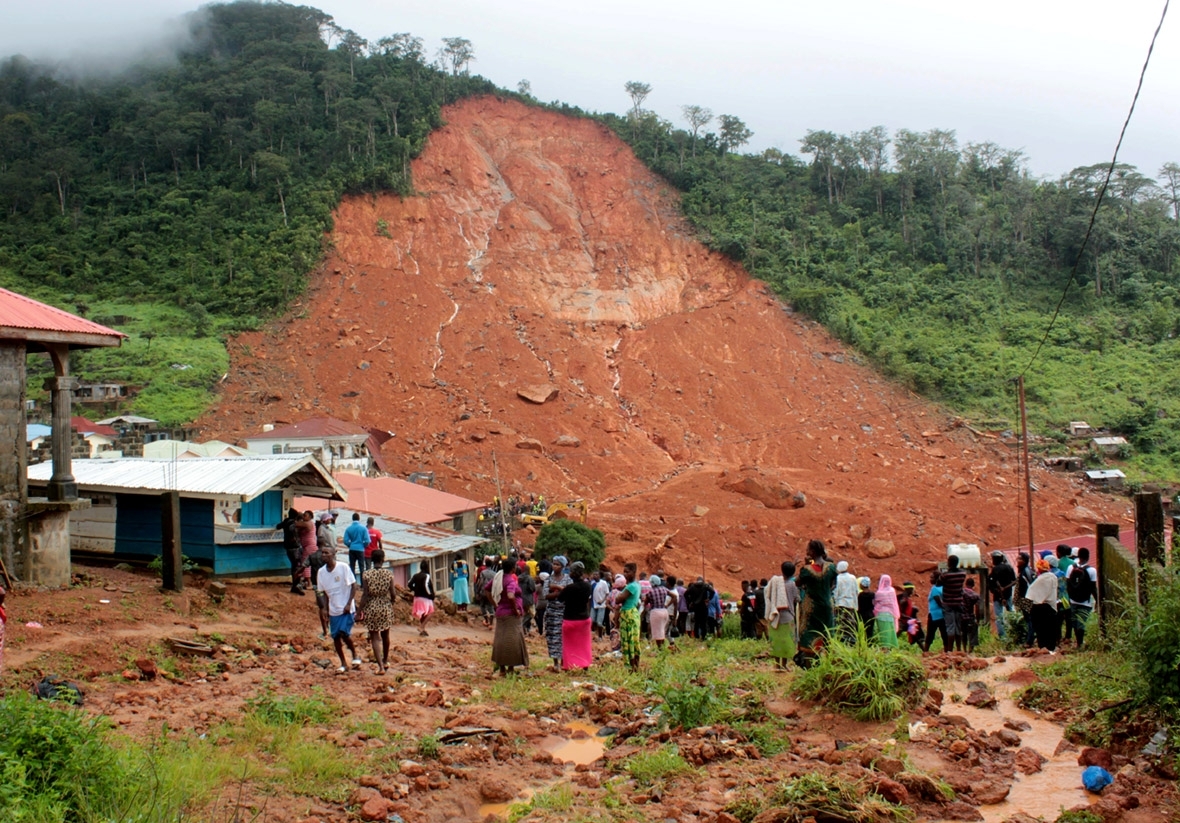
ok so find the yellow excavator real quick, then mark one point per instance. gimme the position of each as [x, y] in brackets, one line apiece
[580, 507]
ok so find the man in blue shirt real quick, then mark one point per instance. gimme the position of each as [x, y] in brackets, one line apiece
[356, 537]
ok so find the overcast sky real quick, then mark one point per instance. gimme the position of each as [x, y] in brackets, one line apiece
[1051, 77]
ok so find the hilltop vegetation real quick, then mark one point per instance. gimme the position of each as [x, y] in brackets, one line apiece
[206, 185]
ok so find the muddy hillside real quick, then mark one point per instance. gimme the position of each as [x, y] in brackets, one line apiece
[541, 300]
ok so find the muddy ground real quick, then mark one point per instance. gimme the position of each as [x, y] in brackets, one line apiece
[968, 754]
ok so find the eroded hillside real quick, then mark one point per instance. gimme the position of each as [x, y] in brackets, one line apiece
[539, 252]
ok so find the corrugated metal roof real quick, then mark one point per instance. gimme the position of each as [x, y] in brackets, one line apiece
[210, 477]
[20, 312]
[401, 500]
[1104, 474]
[411, 540]
[127, 418]
[35, 430]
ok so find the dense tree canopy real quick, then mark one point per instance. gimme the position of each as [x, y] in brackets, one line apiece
[211, 179]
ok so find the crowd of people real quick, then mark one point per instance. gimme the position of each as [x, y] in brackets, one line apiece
[797, 611]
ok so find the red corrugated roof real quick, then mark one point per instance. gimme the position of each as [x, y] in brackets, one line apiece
[84, 426]
[20, 312]
[397, 499]
[312, 427]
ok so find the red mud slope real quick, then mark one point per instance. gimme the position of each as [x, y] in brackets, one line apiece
[540, 251]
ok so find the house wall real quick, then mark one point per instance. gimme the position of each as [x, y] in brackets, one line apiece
[13, 459]
[139, 527]
[93, 530]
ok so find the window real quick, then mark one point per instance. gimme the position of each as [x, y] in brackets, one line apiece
[263, 511]
[457, 523]
[277, 448]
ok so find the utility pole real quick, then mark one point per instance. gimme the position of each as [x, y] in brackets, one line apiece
[1027, 473]
[500, 496]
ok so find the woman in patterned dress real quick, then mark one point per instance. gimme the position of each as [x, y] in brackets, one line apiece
[816, 577]
[629, 618]
[555, 611]
[376, 608]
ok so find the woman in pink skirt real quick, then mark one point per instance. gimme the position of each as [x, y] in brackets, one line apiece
[576, 647]
[423, 590]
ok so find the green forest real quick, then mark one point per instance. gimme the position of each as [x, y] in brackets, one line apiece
[185, 201]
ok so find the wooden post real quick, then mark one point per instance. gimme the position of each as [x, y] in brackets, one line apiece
[1032, 552]
[1101, 532]
[170, 549]
[1149, 536]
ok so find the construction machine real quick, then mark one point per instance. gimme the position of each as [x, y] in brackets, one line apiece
[579, 510]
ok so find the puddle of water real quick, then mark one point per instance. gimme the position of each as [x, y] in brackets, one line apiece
[1059, 782]
[582, 748]
[501, 809]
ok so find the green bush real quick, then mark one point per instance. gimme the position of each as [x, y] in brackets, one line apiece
[1156, 651]
[834, 798]
[574, 540]
[863, 680]
[55, 764]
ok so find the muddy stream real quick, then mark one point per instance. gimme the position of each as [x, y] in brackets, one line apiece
[1045, 793]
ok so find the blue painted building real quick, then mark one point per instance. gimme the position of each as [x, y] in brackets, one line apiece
[229, 507]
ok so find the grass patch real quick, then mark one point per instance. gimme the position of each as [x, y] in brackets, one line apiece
[659, 766]
[428, 746]
[287, 710]
[559, 798]
[835, 799]
[864, 681]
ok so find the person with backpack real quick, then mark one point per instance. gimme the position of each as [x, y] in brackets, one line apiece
[1081, 584]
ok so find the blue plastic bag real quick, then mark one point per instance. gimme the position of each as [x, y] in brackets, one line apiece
[1096, 778]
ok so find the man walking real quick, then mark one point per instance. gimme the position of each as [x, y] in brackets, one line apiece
[340, 589]
[1081, 585]
[356, 538]
[952, 604]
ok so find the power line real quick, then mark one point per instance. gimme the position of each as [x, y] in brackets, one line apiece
[1101, 192]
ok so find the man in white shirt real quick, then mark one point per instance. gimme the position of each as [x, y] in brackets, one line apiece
[338, 585]
[845, 602]
[598, 603]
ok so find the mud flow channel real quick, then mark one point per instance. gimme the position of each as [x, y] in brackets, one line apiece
[1045, 793]
[580, 747]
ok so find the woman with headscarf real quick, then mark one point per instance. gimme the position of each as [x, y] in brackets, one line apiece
[782, 598]
[555, 609]
[460, 594]
[508, 646]
[1043, 614]
[629, 619]
[887, 613]
[576, 647]
[816, 577]
[656, 603]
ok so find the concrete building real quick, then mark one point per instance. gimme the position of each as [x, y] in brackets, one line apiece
[342, 447]
[34, 532]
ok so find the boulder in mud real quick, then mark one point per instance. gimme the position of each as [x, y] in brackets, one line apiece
[567, 441]
[1091, 756]
[496, 791]
[530, 444]
[990, 792]
[1029, 761]
[539, 394]
[772, 492]
[981, 699]
[879, 549]
[892, 791]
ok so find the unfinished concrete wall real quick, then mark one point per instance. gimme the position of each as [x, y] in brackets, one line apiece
[13, 462]
[48, 557]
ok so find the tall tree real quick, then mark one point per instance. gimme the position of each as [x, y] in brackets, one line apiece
[638, 92]
[1170, 174]
[734, 133]
[457, 54]
[697, 118]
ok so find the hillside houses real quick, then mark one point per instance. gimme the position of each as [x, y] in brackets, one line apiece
[338, 445]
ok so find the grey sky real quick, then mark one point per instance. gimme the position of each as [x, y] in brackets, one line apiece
[1052, 78]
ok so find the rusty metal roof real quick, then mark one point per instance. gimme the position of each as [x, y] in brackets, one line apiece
[24, 318]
